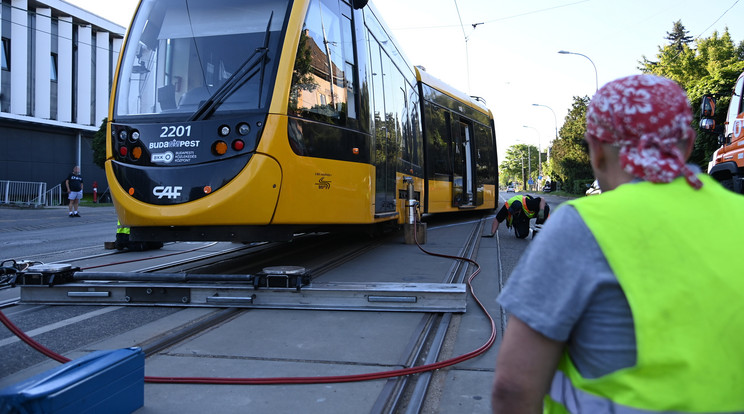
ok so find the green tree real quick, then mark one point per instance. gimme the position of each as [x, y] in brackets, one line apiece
[519, 161]
[569, 162]
[710, 66]
[679, 36]
[99, 145]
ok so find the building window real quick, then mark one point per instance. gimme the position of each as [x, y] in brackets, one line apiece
[6, 54]
[53, 67]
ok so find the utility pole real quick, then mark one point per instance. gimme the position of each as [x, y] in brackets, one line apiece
[523, 181]
[539, 160]
[529, 165]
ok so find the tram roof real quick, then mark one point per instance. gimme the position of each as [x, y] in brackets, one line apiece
[427, 79]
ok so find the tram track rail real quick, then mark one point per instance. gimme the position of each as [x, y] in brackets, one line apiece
[219, 316]
[400, 394]
[407, 394]
[190, 329]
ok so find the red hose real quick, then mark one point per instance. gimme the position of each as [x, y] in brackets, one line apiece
[303, 380]
[27, 339]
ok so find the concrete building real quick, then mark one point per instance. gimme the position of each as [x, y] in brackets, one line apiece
[58, 63]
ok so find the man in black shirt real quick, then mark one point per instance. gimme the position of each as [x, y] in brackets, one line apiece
[74, 184]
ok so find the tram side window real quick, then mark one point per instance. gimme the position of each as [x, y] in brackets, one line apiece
[322, 80]
[485, 156]
[405, 144]
[349, 68]
[394, 106]
[416, 145]
[378, 96]
[437, 132]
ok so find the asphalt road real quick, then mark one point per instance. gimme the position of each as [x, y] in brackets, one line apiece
[49, 234]
[288, 342]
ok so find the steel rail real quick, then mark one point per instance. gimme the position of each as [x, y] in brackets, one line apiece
[221, 316]
[353, 253]
[178, 334]
[408, 392]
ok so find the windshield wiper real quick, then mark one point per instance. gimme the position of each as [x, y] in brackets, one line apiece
[244, 73]
[263, 67]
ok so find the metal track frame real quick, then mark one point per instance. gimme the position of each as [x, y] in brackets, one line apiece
[406, 297]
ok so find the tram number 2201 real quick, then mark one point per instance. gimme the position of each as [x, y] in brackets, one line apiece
[173, 131]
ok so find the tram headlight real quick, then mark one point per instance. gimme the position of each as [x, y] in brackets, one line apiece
[123, 134]
[243, 128]
[135, 135]
[224, 131]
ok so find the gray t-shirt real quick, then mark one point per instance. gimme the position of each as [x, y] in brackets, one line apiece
[564, 288]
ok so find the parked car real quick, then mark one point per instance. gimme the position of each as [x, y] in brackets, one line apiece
[594, 189]
[510, 188]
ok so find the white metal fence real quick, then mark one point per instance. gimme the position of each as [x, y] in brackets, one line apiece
[29, 193]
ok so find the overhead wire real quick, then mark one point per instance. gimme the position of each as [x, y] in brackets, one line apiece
[494, 20]
[716, 21]
[465, 36]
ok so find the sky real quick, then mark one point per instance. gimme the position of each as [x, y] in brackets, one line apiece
[510, 57]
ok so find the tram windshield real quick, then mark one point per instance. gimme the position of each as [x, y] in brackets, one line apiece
[191, 59]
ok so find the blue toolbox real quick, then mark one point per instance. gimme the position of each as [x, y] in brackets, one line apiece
[101, 382]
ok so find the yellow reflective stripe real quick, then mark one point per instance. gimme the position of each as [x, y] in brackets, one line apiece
[121, 229]
[523, 200]
[508, 213]
[526, 209]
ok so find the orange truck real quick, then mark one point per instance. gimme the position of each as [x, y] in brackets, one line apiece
[727, 163]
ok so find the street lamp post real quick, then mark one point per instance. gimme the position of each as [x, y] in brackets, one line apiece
[529, 167]
[555, 119]
[539, 158]
[523, 181]
[596, 77]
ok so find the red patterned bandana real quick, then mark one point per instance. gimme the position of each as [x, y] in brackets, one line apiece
[646, 116]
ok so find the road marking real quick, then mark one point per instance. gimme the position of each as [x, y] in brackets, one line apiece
[61, 324]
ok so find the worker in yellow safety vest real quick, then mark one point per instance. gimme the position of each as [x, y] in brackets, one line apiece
[122, 236]
[518, 211]
[123, 242]
[623, 304]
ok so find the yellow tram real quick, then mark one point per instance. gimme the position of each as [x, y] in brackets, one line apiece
[237, 120]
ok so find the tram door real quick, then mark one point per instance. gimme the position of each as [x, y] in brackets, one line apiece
[462, 176]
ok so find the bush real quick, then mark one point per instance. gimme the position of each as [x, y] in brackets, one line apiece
[580, 186]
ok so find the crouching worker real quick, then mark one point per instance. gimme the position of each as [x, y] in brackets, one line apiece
[123, 242]
[518, 211]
